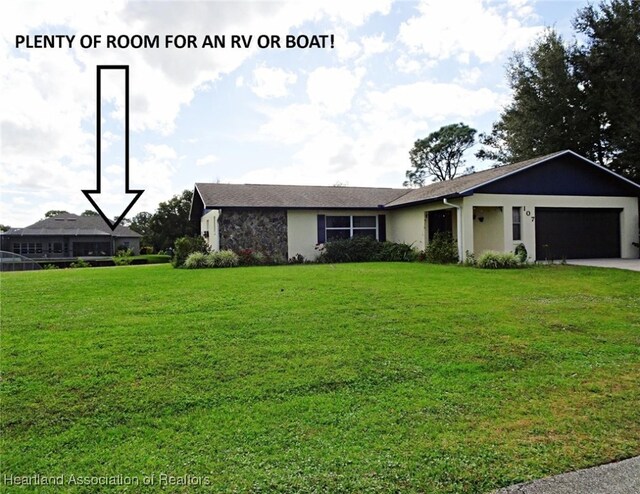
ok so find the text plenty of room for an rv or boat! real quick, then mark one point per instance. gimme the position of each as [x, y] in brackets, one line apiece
[174, 41]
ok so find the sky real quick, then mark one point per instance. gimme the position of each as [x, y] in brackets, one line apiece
[343, 114]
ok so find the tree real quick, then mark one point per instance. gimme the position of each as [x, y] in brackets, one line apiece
[439, 154]
[582, 97]
[171, 221]
[124, 222]
[89, 212]
[546, 114]
[54, 212]
[608, 66]
[4, 228]
[140, 224]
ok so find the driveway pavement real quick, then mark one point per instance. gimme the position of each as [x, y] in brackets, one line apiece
[622, 477]
[630, 264]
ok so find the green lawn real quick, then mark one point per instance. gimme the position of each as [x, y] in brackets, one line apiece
[366, 378]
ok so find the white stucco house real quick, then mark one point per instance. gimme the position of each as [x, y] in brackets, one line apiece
[559, 206]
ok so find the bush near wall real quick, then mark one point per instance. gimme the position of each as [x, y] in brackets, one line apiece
[442, 249]
[250, 257]
[218, 259]
[365, 249]
[499, 260]
[187, 245]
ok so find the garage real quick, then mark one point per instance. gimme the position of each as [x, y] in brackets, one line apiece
[577, 233]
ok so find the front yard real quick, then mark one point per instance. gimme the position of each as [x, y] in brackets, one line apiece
[317, 378]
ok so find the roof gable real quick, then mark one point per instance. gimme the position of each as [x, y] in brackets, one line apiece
[561, 173]
[463, 184]
[567, 174]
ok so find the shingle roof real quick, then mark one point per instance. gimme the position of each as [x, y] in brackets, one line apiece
[464, 183]
[322, 197]
[72, 224]
[294, 196]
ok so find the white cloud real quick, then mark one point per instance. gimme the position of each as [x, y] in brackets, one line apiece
[355, 13]
[469, 76]
[154, 173]
[443, 30]
[437, 101]
[411, 65]
[370, 146]
[269, 82]
[209, 159]
[346, 49]
[374, 45]
[332, 89]
[291, 124]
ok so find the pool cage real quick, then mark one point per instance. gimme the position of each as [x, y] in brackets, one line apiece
[15, 262]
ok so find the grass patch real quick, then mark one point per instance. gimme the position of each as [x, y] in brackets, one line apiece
[353, 377]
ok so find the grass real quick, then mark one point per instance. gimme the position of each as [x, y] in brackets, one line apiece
[318, 378]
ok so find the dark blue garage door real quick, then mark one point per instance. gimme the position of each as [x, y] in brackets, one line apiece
[577, 233]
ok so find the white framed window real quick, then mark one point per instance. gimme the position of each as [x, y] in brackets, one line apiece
[517, 223]
[342, 227]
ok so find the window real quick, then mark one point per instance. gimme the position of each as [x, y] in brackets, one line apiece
[55, 248]
[26, 248]
[517, 233]
[341, 227]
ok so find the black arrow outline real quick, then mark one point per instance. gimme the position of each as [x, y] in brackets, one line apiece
[138, 193]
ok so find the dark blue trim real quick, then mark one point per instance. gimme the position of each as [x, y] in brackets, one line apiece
[382, 228]
[321, 229]
[565, 176]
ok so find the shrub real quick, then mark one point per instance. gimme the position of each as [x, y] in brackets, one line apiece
[50, 266]
[397, 252]
[147, 249]
[365, 249]
[196, 260]
[521, 253]
[187, 245]
[442, 249]
[297, 259]
[250, 257]
[123, 257]
[123, 251]
[356, 249]
[498, 260]
[223, 259]
[276, 259]
[470, 259]
[80, 263]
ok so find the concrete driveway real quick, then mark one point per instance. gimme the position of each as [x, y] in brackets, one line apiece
[622, 477]
[630, 264]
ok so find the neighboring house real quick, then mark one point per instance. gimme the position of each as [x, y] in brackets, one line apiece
[559, 206]
[69, 235]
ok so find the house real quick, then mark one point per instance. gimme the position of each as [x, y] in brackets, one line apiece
[69, 235]
[559, 206]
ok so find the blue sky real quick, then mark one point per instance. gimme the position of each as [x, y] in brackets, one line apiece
[347, 115]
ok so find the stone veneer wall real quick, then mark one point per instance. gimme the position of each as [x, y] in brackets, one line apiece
[264, 230]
